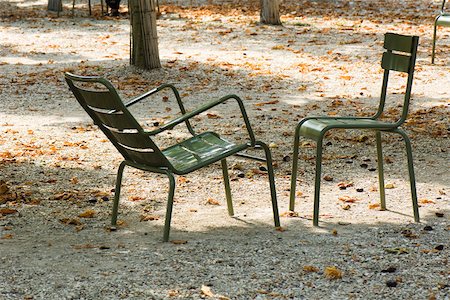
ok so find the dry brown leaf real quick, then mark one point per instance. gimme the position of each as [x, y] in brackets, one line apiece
[290, 214]
[213, 116]
[7, 211]
[148, 218]
[310, 269]
[333, 273]
[349, 199]
[206, 291]
[374, 206]
[389, 186]
[89, 213]
[7, 236]
[212, 201]
[345, 184]
[280, 229]
[426, 201]
[71, 221]
[267, 103]
[178, 242]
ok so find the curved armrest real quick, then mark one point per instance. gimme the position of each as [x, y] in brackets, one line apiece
[157, 89]
[185, 117]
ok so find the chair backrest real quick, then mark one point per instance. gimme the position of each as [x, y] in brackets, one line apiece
[400, 56]
[103, 104]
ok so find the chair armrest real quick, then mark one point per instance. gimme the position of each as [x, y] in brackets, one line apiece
[185, 117]
[157, 89]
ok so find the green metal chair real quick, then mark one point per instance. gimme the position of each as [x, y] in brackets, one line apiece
[443, 19]
[400, 56]
[103, 104]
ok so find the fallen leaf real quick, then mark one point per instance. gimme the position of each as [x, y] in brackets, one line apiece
[426, 201]
[7, 211]
[374, 206]
[290, 214]
[397, 250]
[148, 218]
[7, 236]
[89, 213]
[206, 291]
[178, 242]
[212, 201]
[349, 199]
[333, 273]
[310, 269]
[389, 186]
[71, 221]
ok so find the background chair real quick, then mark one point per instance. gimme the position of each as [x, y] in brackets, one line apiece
[443, 19]
[103, 104]
[400, 56]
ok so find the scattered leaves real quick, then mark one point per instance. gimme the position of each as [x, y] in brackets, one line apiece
[89, 213]
[310, 269]
[212, 201]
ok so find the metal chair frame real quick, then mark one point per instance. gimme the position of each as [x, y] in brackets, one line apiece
[112, 116]
[400, 56]
[443, 19]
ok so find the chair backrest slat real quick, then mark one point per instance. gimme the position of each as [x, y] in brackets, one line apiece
[396, 62]
[100, 100]
[398, 42]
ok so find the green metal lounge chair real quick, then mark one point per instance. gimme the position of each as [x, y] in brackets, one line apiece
[443, 19]
[111, 115]
[400, 56]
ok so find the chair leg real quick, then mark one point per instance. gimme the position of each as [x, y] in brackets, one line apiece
[169, 207]
[412, 178]
[273, 191]
[117, 193]
[226, 181]
[317, 182]
[380, 171]
[434, 42]
[90, 10]
[294, 172]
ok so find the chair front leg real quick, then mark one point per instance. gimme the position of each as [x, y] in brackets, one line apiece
[273, 191]
[226, 181]
[117, 193]
[380, 171]
[294, 172]
[169, 206]
[317, 181]
[412, 178]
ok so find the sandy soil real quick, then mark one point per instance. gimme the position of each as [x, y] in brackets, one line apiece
[58, 171]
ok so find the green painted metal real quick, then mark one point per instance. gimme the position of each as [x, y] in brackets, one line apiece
[400, 49]
[443, 19]
[103, 104]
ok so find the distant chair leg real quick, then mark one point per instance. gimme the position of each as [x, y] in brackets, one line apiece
[412, 178]
[226, 181]
[169, 207]
[317, 181]
[294, 172]
[273, 191]
[117, 193]
[380, 171]
[434, 42]
[90, 9]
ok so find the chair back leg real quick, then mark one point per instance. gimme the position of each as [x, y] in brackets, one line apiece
[226, 181]
[380, 171]
[169, 208]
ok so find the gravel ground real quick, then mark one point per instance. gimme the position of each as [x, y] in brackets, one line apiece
[57, 171]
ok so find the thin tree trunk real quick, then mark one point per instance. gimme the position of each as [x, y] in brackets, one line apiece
[270, 12]
[144, 38]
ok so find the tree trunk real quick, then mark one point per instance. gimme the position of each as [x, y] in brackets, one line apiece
[270, 12]
[54, 5]
[144, 39]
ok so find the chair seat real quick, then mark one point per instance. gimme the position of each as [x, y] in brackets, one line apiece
[199, 151]
[443, 20]
[314, 128]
